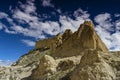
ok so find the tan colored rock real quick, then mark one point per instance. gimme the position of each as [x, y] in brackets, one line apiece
[89, 57]
[43, 43]
[65, 65]
[66, 34]
[93, 67]
[84, 38]
[58, 39]
[47, 66]
[51, 43]
[88, 38]
[86, 35]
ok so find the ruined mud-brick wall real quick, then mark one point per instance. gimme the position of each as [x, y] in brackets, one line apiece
[51, 43]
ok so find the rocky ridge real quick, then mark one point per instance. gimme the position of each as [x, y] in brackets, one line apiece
[84, 38]
[69, 56]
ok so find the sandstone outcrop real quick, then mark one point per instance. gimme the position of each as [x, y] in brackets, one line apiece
[67, 34]
[84, 38]
[93, 67]
[64, 65]
[51, 43]
[47, 67]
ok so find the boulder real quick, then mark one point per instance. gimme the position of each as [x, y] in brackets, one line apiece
[47, 66]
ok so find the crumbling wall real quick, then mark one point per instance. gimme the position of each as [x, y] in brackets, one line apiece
[51, 43]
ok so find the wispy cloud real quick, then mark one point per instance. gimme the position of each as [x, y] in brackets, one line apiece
[29, 7]
[28, 42]
[1, 26]
[3, 15]
[117, 15]
[37, 28]
[25, 12]
[79, 13]
[108, 30]
[47, 3]
[117, 24]
[104, 20]
[9, 31]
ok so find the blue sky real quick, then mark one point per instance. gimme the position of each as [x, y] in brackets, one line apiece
[22, 22]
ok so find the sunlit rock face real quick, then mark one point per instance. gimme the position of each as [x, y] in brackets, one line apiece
[84, 38]
[47, 66]
[51, 43]
[67, 34]
[93, 67]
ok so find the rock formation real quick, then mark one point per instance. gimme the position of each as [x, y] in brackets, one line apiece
[47, 66]
[93, 67]
[84, 38]
[69, 56]
[66, 34]
[51, 43]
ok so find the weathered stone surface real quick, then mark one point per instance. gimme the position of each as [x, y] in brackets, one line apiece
[93, 67]
[47, 66]
[64, 65]
[58, 39]
[88, 37]
[51, 43]
[33, 57]
[84, 38]
[67, 34]
[24, 66]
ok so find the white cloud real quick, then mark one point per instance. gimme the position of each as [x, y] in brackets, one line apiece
[73, 24]
[9, 31]
[117, 24]
[67, 23]
[3, 15]
[117, 15]
[22, 16]
[5, 62]
[59, 11]
[25, 12]
[1, 26]
[29, 7]
[104, 20]
[38, 29]
[25, 31]
[28, 42]
[81, 14]
[105, 35]
[108, 30]
[47, 3]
